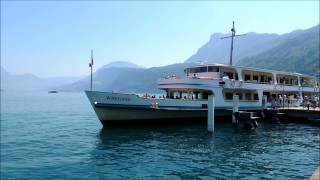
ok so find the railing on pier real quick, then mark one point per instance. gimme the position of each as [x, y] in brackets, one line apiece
[291, 103]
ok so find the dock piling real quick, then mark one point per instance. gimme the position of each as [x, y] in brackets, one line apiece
[264, 102]
[210, 122]
[264, 106]
[235, 110]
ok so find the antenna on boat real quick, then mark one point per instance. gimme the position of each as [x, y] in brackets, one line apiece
[91, 66]
[233, 34]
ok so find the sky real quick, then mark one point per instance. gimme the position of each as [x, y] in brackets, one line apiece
[54, 38]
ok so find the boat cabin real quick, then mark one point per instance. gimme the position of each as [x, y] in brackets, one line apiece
[250, 75]
[211, 72]
[187, 94]
[248, 83]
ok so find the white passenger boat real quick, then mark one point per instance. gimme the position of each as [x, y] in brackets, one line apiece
[186, 97]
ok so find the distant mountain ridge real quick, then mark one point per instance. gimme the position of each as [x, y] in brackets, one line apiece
[30, 82]
[121, 64]
[296, 54]
[126, 79]
[217, 50]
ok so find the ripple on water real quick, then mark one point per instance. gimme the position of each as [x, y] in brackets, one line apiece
[64, 140]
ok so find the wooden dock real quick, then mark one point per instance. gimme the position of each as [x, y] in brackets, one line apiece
[299, 114]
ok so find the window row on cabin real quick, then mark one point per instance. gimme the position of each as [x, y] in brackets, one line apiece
[286, 80]
[263, 78]
[247, 77]
[203, 69]
[247, 96]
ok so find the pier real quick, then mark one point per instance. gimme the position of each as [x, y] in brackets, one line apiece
[280, 115]
[298, 115]
[249, 118]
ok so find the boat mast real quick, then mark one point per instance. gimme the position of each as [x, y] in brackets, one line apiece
[91, 66]
[233, 34]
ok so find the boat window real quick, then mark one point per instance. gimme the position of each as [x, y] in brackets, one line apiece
[240, 95]
[229, 95]
[248, 96]
[287, 81]
[256, 97]
[281, 80]
[230, 75]
[255, 78]
[198, 69]
[263, 78]
[193, 70]
[247, 77]
[302, 81]
[213, 69]
[203, 69]
[196, 95]
[206, 94]
[204, 106]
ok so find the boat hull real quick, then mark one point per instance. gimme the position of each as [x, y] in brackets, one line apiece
[113, 116]
[142, 113]
[114, 107]
[117, 108]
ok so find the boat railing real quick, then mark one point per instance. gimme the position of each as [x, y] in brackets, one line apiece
[163, 97]
[191, 77]
[234, 80]
[257, 82]
[308, 85]
[171, 77]
[295, 103]
[282, 84]
[242, 100]
[204, 78]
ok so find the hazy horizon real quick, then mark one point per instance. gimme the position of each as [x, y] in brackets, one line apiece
[50, 39]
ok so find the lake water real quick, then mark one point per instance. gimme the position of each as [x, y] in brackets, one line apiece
[58, 136]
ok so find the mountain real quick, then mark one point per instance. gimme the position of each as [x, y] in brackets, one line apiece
[30, 82]
[3, 72]
[103, 77]
[297, 54]
[217, 50]
[145, 80]
[126, 79]
[122, 64]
